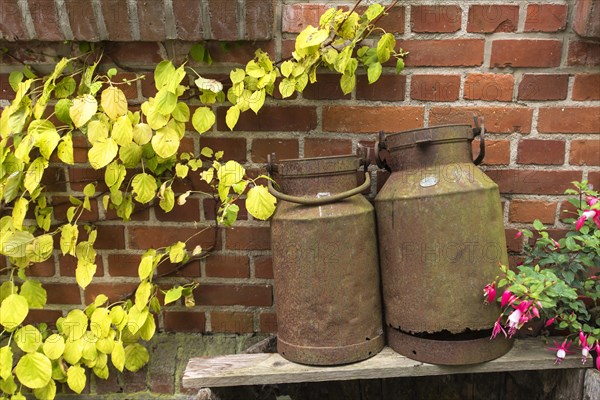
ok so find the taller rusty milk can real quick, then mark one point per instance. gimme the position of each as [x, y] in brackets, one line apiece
[323, 238]
[441, 237]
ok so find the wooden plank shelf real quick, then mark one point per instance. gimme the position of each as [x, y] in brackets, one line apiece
[271, 368]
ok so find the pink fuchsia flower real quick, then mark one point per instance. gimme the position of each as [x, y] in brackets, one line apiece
[556, 244]
[497, 329]
[518, 234]
[507, 298]
[597, 356]
[489, 292]
[591, 200]
[585, 348]
[561, 351]
[514, 320]
[589, 214]
[550, 321]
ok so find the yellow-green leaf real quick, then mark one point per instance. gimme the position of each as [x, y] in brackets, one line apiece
[100, 322]
[136, 356]
[122, 131]
[34, 174]
[76, 378]
[230, 173]
[146, 267]
[203, 119]
[102, 153]
[374, 11]
[6, 362]
[84, 273]
[232, 116]
[68, 239]
[19, 211]
[54, 346]
[177, 252]
[237, 75]
[136, 319]
[181, 112]
[374, 72]
[73, 350]
[148, 329]
[257, 99]
[34, 370]
[83, 109]
[65, 149]
[165, 142]
[173, 294]
[287, 87]
[118, 356]
[75, 324]
[385, 46]
[144, 187]
[40, 248]
[114, 102]
[142, 294]
[47, 140]
[131, 154]
[34, 292]
[311, 36]
[142, 134]
[47, 392]
[165, 101]
[97, 130]
[167, 202]
[28, 338]
[16, 244]
[347, 83]
[260, 203]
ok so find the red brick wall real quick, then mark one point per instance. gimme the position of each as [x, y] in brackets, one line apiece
[519, 64]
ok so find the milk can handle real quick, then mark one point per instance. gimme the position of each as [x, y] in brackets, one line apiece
[381, 144]
[479, 131]
[315, 201]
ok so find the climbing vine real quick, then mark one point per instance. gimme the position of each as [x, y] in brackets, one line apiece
[141, 157]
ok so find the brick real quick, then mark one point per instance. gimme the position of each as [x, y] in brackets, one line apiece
[497, 152]
[234, 148]
[594, 179]
[497, 119]
[130, 90]
[68, 264]
[586, 87]
[225, 266]
[123, 264]
[543, 87]
[12, 27]
[109, 237]
[526, 211]
[190, 269]
[493, 18]
[387, 88]
[567, 211]
[327, 87]
[164, 350]
[296, 17]
[435, 18]
[184, 321]
[546, 17]
[248, 238]
[231, 295]
[80, 177]
[443, 53]
[114, 291]
[489, 87]
[223, 19]
[145, 237]
[435, 87]
[583, 53]
[544, 152]
[232, 322]
[268, 322]
[148, 86]
[210, 208]
[240, 52]
[283, 148]
[359, 119]
[586, 21]
[6, 92]
[151, 17]
[45, 20]
[259, 19]
[82, 20]
[48, 317]
[54, 179]
[188, 19]
[62, 204]
[62, 293]
[316, 147]
[133, 52]
[585, 152]
[393, 22]
[513, 243]
[188, 212]
[272, 119]
[526, 53]
[42, 269]
[522, 181]
[569, 120]
[263, 267]
[116, 19]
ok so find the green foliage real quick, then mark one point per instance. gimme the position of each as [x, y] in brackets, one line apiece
[559, 277]
[139, 152]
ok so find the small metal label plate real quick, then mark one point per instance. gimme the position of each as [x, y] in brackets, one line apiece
[428, 181]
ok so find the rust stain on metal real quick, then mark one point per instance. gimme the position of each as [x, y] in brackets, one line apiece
[441, 237]
[327, 286]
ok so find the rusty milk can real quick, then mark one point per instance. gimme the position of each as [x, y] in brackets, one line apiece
[441, 237]
[327, 287]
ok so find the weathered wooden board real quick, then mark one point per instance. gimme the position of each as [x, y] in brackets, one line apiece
[267, 369]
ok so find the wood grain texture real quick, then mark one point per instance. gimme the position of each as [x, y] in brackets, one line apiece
[267, 369]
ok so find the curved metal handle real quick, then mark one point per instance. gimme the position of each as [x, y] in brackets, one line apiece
[314, 201]
[479, 131]
[381, 144]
